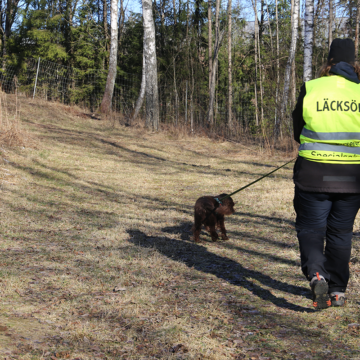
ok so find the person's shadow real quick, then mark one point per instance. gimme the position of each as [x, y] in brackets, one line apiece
[196, 256]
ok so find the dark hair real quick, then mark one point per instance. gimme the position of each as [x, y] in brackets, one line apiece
[325, 68]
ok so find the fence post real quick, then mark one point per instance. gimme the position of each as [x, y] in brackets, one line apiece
[37, 73]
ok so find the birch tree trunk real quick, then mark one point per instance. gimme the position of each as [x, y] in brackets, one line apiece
[151, 83]
[291, 57]
[292, 82]
[331, 22]
[357, 30]
[229, 68]
[140, 99]
[105, 106]
[270, 33]
[308, 39]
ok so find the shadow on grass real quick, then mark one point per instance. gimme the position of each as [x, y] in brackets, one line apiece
[184, 230]
[198, 257]
[267, 218]
[259, 254]
[142, 157]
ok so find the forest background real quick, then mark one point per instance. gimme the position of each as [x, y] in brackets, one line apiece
[64, 47]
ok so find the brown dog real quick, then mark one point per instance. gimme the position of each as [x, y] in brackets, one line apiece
[209, 212]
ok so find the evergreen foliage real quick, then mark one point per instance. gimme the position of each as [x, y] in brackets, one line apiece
[76, 35]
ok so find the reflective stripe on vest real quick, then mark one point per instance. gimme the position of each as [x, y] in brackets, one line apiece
[332, 148]
[330, 135]
[330, 153]
[331, 111]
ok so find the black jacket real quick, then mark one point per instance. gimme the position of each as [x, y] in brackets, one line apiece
[323, 177]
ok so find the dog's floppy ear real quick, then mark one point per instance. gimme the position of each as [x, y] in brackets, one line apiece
[211, 206]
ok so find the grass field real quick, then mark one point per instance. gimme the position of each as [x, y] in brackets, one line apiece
[87, 207]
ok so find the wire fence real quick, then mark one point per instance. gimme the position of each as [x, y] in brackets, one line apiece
[54, 82]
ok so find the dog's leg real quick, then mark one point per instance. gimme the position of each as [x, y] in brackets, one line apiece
[196, 229]
[197, 235]
[222, 228]
[213, 233]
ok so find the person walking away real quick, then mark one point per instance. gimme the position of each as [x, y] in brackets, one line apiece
[326, 123]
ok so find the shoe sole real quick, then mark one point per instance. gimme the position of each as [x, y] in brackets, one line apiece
[338, 303]
[321, 296]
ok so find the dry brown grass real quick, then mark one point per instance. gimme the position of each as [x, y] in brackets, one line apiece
[96, 206]
[11, 133]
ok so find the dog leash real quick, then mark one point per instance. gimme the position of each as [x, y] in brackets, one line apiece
[252, 183]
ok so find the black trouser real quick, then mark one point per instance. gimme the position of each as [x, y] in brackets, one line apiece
[330, 215]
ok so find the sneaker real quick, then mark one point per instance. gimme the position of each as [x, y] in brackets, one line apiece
[320, 288]
[337, 298]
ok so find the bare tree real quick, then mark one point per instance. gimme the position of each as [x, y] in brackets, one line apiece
[260, 76]
[357, 29]
[140, 99]
[229, 67]
[151, 82]
[210, 39]
[105, 106]
[293, 78]
[277, 124]
[106, 31]
[270, 33]
[331, 20]
[256, 37]
[174, 68]
[294, 33]
[218, 40]
[176, 95]
[121, 22]
[308, 39]
[258, 60]
[319, 10]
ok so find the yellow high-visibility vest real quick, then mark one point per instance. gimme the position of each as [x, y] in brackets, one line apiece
[331, 111]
